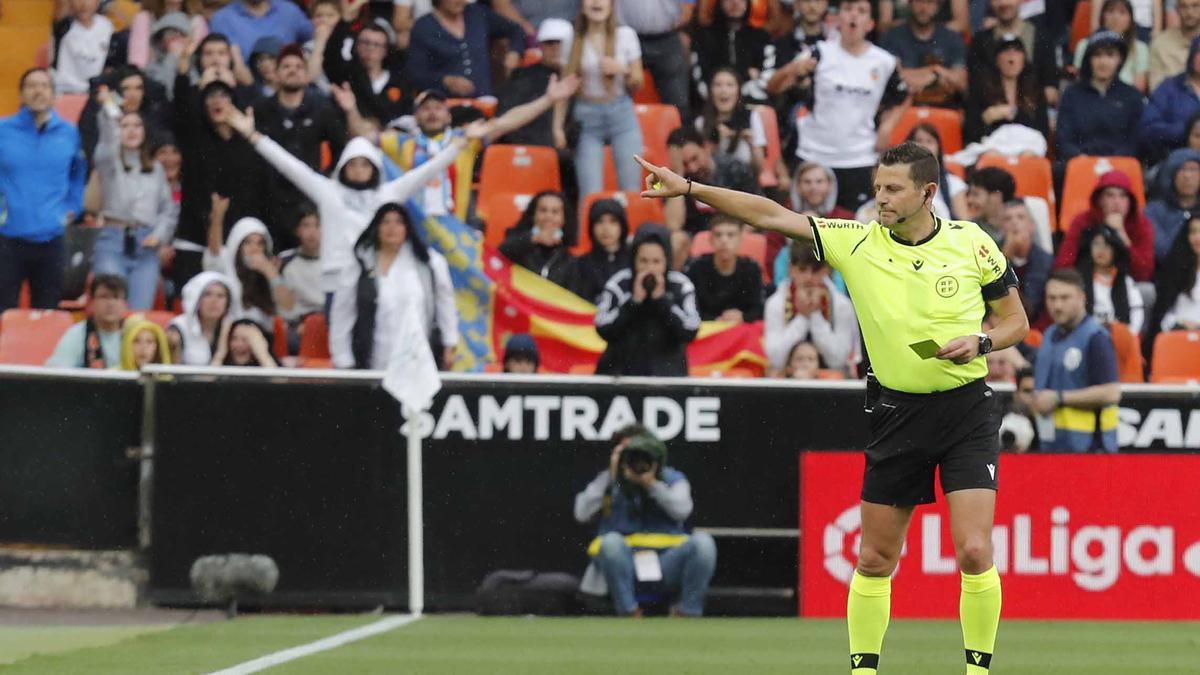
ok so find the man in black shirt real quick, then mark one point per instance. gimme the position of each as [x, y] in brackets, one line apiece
[300, 119]
[1038, 45]
[728, 286]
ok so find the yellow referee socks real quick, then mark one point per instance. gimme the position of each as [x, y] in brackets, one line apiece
[867, 612]
[979, 612]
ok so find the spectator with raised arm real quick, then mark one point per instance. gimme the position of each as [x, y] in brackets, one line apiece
[1178, 188]
[647, 313]
[809, 307]
[397, 274]
[131, 92]
[159, 25]
[449, 48]
[81, 40]
[728, 286]
[529, 83]
[541, 240]
[42, 177]
[243, 343]
[244, 22]
[372, 68]
[95, 342]
[787, 75]
[138, 211]
[608, 58]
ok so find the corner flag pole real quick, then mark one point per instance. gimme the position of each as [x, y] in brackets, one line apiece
[412, 378]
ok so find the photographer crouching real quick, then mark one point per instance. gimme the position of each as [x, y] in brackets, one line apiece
[642, 540]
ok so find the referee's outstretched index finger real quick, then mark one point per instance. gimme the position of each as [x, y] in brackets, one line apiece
[656, 180]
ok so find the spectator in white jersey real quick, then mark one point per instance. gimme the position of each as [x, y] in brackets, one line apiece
[852, 81]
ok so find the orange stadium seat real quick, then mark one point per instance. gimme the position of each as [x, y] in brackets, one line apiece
[29, 336]
[1032, 175]
[947, 122]
[582, 369]
[160, 317]
[42, 58]
[70, 106]
[657, 120]
[525, 169]
[1176, 357]
[648, 92]
[754, 246]
[638, 212]
[767, 177]
[1081, 177]
[486, 106]
[314, 343]
[1130, 365]
[503, 210]
[1081, 24]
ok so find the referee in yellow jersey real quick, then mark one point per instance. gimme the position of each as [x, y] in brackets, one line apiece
[920, 286]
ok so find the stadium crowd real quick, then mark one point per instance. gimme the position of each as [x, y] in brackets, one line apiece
[259, 165]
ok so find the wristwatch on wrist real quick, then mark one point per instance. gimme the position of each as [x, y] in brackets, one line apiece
[985, 343]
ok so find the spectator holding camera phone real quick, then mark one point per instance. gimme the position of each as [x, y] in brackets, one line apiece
[641, 506]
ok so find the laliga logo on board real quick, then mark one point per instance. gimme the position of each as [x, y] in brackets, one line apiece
[1094, 556]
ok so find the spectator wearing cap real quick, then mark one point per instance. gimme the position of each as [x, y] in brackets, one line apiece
[450, 46]
[450, 191]
[659, 25]
[300, 119]
[42, 177]
[1117, 16]
[1006, 92]
[264, 58]
[1099, 115]
[1178, 185]
[81, 39]
[1114, 204]
[528, 83]
[157, 40]
[521, 355]
[372, 69]
[245, 22]
[1170, 50]
[211, 148]
[933, 58]
[609, 230]
[1037, 45]
[1175, 101]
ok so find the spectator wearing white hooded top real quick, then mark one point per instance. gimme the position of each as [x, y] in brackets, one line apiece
[396, 270]
[246, 256]
[210, 300]
[349, 199]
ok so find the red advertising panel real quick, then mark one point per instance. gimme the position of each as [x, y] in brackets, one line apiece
[1076, 536]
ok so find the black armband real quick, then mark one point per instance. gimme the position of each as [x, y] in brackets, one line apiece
[999, 288]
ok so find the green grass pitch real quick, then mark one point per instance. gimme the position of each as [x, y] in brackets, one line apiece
[461, 645]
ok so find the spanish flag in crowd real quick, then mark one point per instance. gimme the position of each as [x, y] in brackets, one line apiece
[497, 299]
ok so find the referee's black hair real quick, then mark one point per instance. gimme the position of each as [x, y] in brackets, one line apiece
[923, 167]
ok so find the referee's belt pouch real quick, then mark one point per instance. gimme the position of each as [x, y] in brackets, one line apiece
[872, 393]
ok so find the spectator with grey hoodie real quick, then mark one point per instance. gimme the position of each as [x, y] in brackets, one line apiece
[349, 199]
[647, 313]
[1178, 188]
[138, 212]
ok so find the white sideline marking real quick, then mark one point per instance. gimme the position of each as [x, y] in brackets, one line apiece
[324, 644]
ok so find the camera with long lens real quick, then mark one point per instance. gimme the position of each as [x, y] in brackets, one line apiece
[639, 461]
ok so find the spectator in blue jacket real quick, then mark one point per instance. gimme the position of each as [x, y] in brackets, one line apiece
[1164, 124]
[1099, 115]
[245, 22]
[42, 176]
[1178, 189]
[449, 48]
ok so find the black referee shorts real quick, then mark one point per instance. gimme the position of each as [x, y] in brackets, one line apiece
[913, 435]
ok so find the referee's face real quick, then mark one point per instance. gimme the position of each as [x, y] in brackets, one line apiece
[896, 194]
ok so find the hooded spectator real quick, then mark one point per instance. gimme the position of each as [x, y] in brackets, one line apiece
[1116, 16]
[143, 343]
[647, 313]
[264, 59]
[542, 238]
[1178, 195]
[1099, 115]
[1178, 306]
[247, 256]
[350, 199]
[1103, 261]
[609, 230]
[138, 209]
[521, 355]
[1114, 204]
[210, 300]
[1175, 101]
[395, 269]
[42, 177]
[728, 43]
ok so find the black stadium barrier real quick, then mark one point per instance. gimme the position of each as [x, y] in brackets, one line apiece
[308, 467]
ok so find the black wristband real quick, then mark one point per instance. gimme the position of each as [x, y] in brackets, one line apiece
[689, 192]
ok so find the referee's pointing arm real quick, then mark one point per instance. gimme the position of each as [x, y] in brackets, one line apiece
[759, 212]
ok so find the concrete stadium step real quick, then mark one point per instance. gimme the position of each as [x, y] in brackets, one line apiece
[55, 578]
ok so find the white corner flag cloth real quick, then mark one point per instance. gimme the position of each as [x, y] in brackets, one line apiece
[412, 375]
